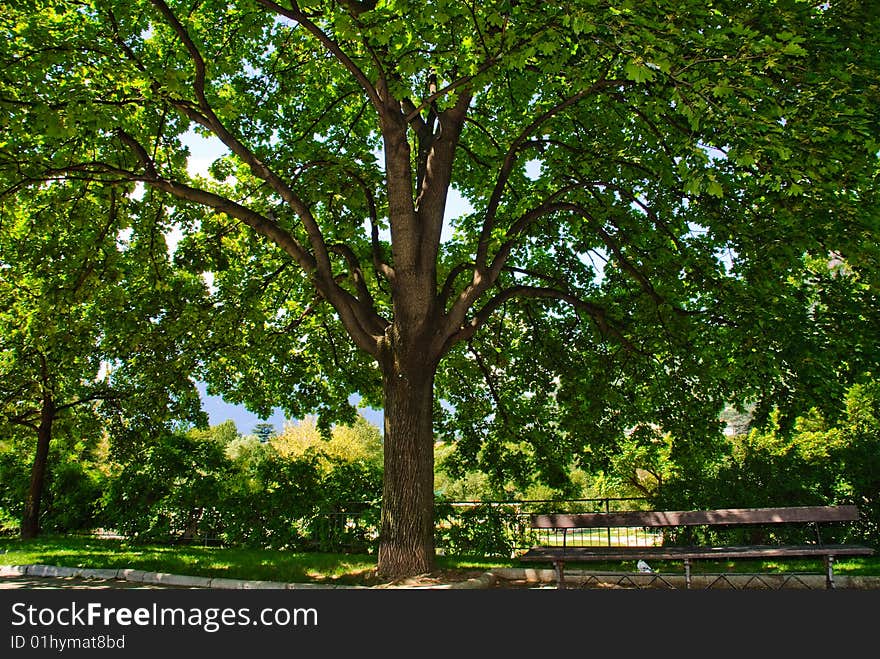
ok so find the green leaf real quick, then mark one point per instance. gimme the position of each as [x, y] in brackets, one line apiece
[637, 71]
[794, 49]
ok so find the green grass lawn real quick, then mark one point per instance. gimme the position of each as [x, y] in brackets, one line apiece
[346, 569]
[231, 563]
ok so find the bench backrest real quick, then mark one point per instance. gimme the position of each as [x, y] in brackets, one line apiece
[728, 516]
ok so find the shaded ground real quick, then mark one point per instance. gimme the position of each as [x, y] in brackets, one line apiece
[24, 582]
[434, 579]
[451, 578]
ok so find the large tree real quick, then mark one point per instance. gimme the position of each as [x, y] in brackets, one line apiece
[636, 175]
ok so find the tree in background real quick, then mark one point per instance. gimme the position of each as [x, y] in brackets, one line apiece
[75, 477]
[208, 485]
[264, 431]
[360, 441]
[224, 433]
[639, 179]
[80, 346]
[813, 462]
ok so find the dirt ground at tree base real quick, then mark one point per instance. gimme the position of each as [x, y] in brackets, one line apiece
[431, 579]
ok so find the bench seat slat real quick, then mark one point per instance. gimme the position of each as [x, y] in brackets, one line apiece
[728, 516]
[678, 553]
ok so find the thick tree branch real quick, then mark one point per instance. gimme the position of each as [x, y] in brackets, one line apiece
[483, 279]
[192, 50]
[209, 119]
[358, 317]
[379, 264]
[432, 197]
[355, 315]
[356, 275]
[99, 394]
[295, 14]
[449, 284]
[261, 224]
[423, 131]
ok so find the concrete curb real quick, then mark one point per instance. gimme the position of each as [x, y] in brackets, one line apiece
[13, 570]
[99, 573]
[135, 575]
[177, 580]
[263, 585]
[226, 584]
[486, 580]
[53, 571]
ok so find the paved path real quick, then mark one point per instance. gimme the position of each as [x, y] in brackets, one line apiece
[51, 576]
[25, 582]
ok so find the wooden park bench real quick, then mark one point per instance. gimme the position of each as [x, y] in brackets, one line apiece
[812, 516]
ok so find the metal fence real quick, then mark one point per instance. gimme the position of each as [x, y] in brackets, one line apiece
[502, 529]
[462, 528]
[491, 529]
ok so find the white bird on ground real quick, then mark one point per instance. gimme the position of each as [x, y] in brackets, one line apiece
[643, 567]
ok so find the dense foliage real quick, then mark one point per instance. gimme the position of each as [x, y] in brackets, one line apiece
[91, 323]
[647, 188]
[814, 463]
[73, 488]
[213, 486]
[305, 492]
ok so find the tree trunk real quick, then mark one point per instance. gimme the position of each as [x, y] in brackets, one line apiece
[30, 523]
[406, 544]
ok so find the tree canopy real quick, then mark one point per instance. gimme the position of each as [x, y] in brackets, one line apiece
[646, 186]
[80, 340]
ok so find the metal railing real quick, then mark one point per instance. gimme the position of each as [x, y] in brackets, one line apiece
[466, 528]
[502, 528]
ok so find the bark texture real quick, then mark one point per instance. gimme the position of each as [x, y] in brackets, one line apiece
[406, 545]
[30, 523]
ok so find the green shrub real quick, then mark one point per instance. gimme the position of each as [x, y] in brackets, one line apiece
[813, 464]
[169, 491]
[490, 530]
[72, 490]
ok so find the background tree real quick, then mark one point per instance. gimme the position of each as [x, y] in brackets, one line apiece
[224, 433]
[75, 477]
[815, 461]
[264, 431]
[639, 179]
[78, 335]
[360, 441]
[200, 485]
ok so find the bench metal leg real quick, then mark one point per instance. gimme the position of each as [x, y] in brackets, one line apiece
[560, 572]
[829, 572]
[687, 573]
